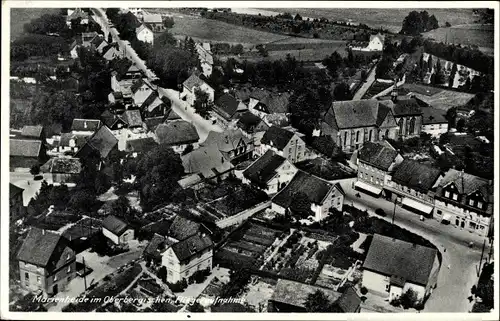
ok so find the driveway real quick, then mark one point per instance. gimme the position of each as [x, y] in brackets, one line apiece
[368, 82]
[454, 283]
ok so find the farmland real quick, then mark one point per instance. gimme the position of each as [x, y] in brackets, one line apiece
[20, 16]
[474, 34]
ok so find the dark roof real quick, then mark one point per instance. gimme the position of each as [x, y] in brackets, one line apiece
[226, 141]
[226, 106]
[97, 41]
[356, 113]
[313, 187]
[176, 132]
[377, 155]
[206, 161]
[191, 246]
[349, 301]
[247, 121]
[62, 165]
[172, 115]
[296, 294]
[403, 107]
[153, 122]
[14, 190]
[114, 225]
[277, 137]
[140, 145]
[193, 81]
[182, 228]
[41, 247]
[133, 118]
[78, 13]
[151, 98]
[110, 119]
[390, 256]
[156, 241]
[102, 141]
[25, 147]
[276, 103]
[264, 168]
[433, 116]
[32, 131]
[415, 175]
[81, 125]
[138, 84]
[66, 137]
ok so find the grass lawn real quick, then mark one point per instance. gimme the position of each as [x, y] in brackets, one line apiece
[480, 35]
[201, 29]
[20, 16]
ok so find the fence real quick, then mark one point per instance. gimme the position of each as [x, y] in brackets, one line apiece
[242, 216]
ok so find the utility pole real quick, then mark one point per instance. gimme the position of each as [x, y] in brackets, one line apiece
[394, 211]
[481, 260]
[84, 275]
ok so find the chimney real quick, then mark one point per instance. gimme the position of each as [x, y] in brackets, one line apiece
[85, 124]
[394, 93]
[43, 231]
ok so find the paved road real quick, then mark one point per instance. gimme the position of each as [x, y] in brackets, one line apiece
[369, 81]
[454, 283]
[185, 111]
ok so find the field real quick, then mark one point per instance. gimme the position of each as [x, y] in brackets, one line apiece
[20, 16]
[479, 35]
[201, 29]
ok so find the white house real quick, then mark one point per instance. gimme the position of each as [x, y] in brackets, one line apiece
[144, 34]
[184, 258]
[116, 230]
[434, 121]
[85, 127]
[189, 87]
[141, 89]
[270, 172]
[376, 43]
[322, 195]
[393, 266]
[284, 142]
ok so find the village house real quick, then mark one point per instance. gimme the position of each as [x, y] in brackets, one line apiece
[376, 163]
[98, 43]
[204, 164]
[138, 146]
[321, 194]
[46, 262]
[26, 153]
[88, 37]
[466, 201]
[178, 135]
[227, 109]
[153, 21]
[284, 142]
[154, 106]
[352, 123]
[74, 48]
[85, 127]
[116, 230]
[113, 121]
[263, 103]
[141, 90]
[251, 124]
[270, 172]
[115, 98]
[78, 13]
[233, 145]
[192, 84]
[144, 34]
[70, 142]
[16, 202]
[111, 52]
[291, 296]
[393, 266]
[63, 170]
[413, 185]
[206, 58]
[133, 119]
[102, 143]
[376, 43]
[434, 122]
[124, 75]
[33, 132]
[184, 258]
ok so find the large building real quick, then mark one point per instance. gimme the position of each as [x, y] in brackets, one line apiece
[465, 201]
[434, 121]
[232, 143]
[285, 142]
[46, 262]
[352, 123]
[407, 114]
[392, 267]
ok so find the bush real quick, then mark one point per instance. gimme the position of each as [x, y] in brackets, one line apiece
[35, 170]
[179, 286]
[364, 290]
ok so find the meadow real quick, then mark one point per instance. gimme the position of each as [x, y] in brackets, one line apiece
[474, 34]
[20, 16]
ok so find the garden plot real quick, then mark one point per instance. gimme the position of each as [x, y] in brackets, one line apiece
[257, 293]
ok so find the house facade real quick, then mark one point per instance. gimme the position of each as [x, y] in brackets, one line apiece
[285, 142]
[407, 114]
[465, 201]
[434, 122]
[16, 202]
[393, 266]
[26, 153]
[413, 185]
[352, 123]
[185, 257]
[116, 230]
[141, 89]
[144, 34]
[227, 109]
[178, 135]
[49, 268]
[270, 173]
[63, 170]
[192, 84]
[232, 143]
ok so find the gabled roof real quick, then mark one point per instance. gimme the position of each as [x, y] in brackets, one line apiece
[356, 113]
[140, 145]
[276, 103]
[153, 96]
[349, 301]
[313, 187]
[66, 137]
[377, 155]
[103, 141]
[110, 119]
[404, 107]
[62, 165]
[114, 225]
[226, 141]
[133, 118]
[187, 248]
[226, 106]
[182, 228]
[296, 294]
[85, 125]
[14, 190]
[139, 83]
[41, 248]
[206, 161]
[415, 175]
[177, 132]
[152, 18]
[433, 116]
[142, 27]
[247, 121]
[32, 131]
[467, 183]
[97, 41]
[379, 36]
[264, 168]
[153, 122]
[393, 257]
[78, 13]
[193, 81]
[25, 147]
[277, 137]
[153, 246]
[172, 115]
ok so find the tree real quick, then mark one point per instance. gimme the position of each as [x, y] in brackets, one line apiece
[47, 23]
[171, 65]
[301, 205]
[383, 67]
[35, 169]
[196, 307]
[460, 125]
[408, 299]
[447, 24]
[82, 200]
[298, 17]
[166, 39]
[162, 273]
[202, 104]
[342, 92]
[121, 206]
[317, 302]
[418, 22]
[168, 22]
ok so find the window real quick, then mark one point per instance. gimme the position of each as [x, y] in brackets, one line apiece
[290, 150]
[371, 178]
[357, 135]
[69, 269]
[68, 257]
[169, 272]
[39, 279]
[446, 194]
[471, 202]
[412, 125]
[345, 138]
[455, 196]
[26, 276]
[439, 212]
[472, 225]
[360, 175]
[170, 262]
[479, 204]
[55, 278]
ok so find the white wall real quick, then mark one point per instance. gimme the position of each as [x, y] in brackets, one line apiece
[375, 282]
[114, 238]
[435, 130]
[177, 271]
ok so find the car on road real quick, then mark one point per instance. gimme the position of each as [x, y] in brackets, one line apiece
[380, 212]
